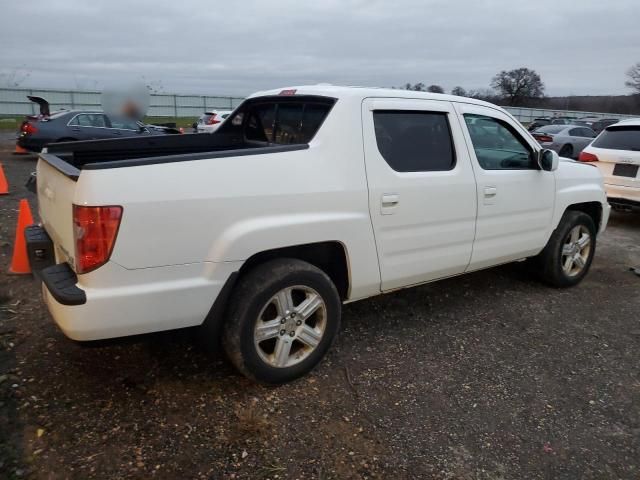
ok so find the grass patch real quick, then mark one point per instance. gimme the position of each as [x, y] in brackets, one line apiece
[13, 123]
[10, 123]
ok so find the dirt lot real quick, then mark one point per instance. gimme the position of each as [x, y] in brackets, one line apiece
[487, 376]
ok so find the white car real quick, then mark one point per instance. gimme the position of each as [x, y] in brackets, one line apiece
[307, 198]
[616, 153]
[210, 121]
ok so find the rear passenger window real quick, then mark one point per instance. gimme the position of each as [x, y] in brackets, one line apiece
[497, 145]
[279, 120]
[620, 138]
[89, 120]
[414, 141]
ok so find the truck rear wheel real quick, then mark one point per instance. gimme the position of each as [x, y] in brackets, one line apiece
[283, 317]
[566, 259]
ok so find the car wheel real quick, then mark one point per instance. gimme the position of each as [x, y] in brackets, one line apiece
[566, 151]
[566, 259]
[283, 317]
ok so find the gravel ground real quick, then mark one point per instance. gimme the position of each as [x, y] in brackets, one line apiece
[487, 376]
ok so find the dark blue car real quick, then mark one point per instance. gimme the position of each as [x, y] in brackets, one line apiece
[71, 125]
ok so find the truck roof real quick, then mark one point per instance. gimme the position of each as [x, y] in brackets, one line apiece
[337, 91]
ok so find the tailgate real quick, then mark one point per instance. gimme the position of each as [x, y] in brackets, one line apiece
[619, 167]
[618, 152]
[56, 188]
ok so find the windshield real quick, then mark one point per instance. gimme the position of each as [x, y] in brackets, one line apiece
[551, 129]
[619, 138]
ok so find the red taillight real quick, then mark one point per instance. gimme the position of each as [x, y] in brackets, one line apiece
[543, 138]
[213, 120]
[27, 127]
[94, 231]
[587, 157]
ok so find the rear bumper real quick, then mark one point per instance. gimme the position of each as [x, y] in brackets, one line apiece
[621, 195]
[34, 145]
[606, 213]
[113, 302]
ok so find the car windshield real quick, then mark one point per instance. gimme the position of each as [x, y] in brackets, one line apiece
[619, 138]
[551, 129]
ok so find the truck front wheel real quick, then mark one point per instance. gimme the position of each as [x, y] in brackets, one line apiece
[566, 259]
[282, 318]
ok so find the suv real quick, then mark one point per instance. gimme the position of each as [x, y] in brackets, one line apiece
[209, 122]
[304, 199]
[616, 153]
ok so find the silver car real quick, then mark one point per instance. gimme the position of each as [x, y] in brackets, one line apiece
[567, 140]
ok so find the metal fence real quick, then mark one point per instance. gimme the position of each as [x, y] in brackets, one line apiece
[14, 101]
[526, 115]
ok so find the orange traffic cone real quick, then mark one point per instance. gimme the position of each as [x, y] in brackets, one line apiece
[20, 260]
[4, 185]
[20, 151]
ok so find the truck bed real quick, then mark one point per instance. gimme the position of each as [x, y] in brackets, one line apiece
[71, 157]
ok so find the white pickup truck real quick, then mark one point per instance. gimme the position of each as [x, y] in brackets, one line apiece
[304, 199]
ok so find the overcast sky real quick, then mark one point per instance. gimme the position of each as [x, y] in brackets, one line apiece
[237, 47]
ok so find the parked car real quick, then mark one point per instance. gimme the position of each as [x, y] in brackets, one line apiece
[588, 120]
[581, 123]
[567, 140]
[209, 122]
[304, 199]
[538, 122]
[562, 120]
[601, 124]
[616, 153]
[70, 125]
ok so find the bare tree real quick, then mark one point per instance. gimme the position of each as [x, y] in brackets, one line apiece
[418, 87]
[485, 94]
[14, 78]
[634, 78]
[518, 84]
[85, 83]
[459, 91]
[154, 86]
[435, 89]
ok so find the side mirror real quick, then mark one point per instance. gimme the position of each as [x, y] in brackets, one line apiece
[548, 160]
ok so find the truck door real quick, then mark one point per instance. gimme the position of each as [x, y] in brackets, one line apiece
[515, 198]
[422, 191]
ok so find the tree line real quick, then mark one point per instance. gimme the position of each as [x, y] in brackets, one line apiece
[523, 87]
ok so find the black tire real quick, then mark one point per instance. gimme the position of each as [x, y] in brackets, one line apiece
[253, 292]
[549, 263]
[566, 151]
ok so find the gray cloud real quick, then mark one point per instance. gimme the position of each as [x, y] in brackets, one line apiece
[226, 47]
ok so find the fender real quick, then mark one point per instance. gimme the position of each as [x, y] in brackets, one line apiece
[251, 236]
[578, 183]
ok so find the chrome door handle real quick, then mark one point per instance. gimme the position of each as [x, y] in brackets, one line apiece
[388, 203]
[390, 199]
[490, 192]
